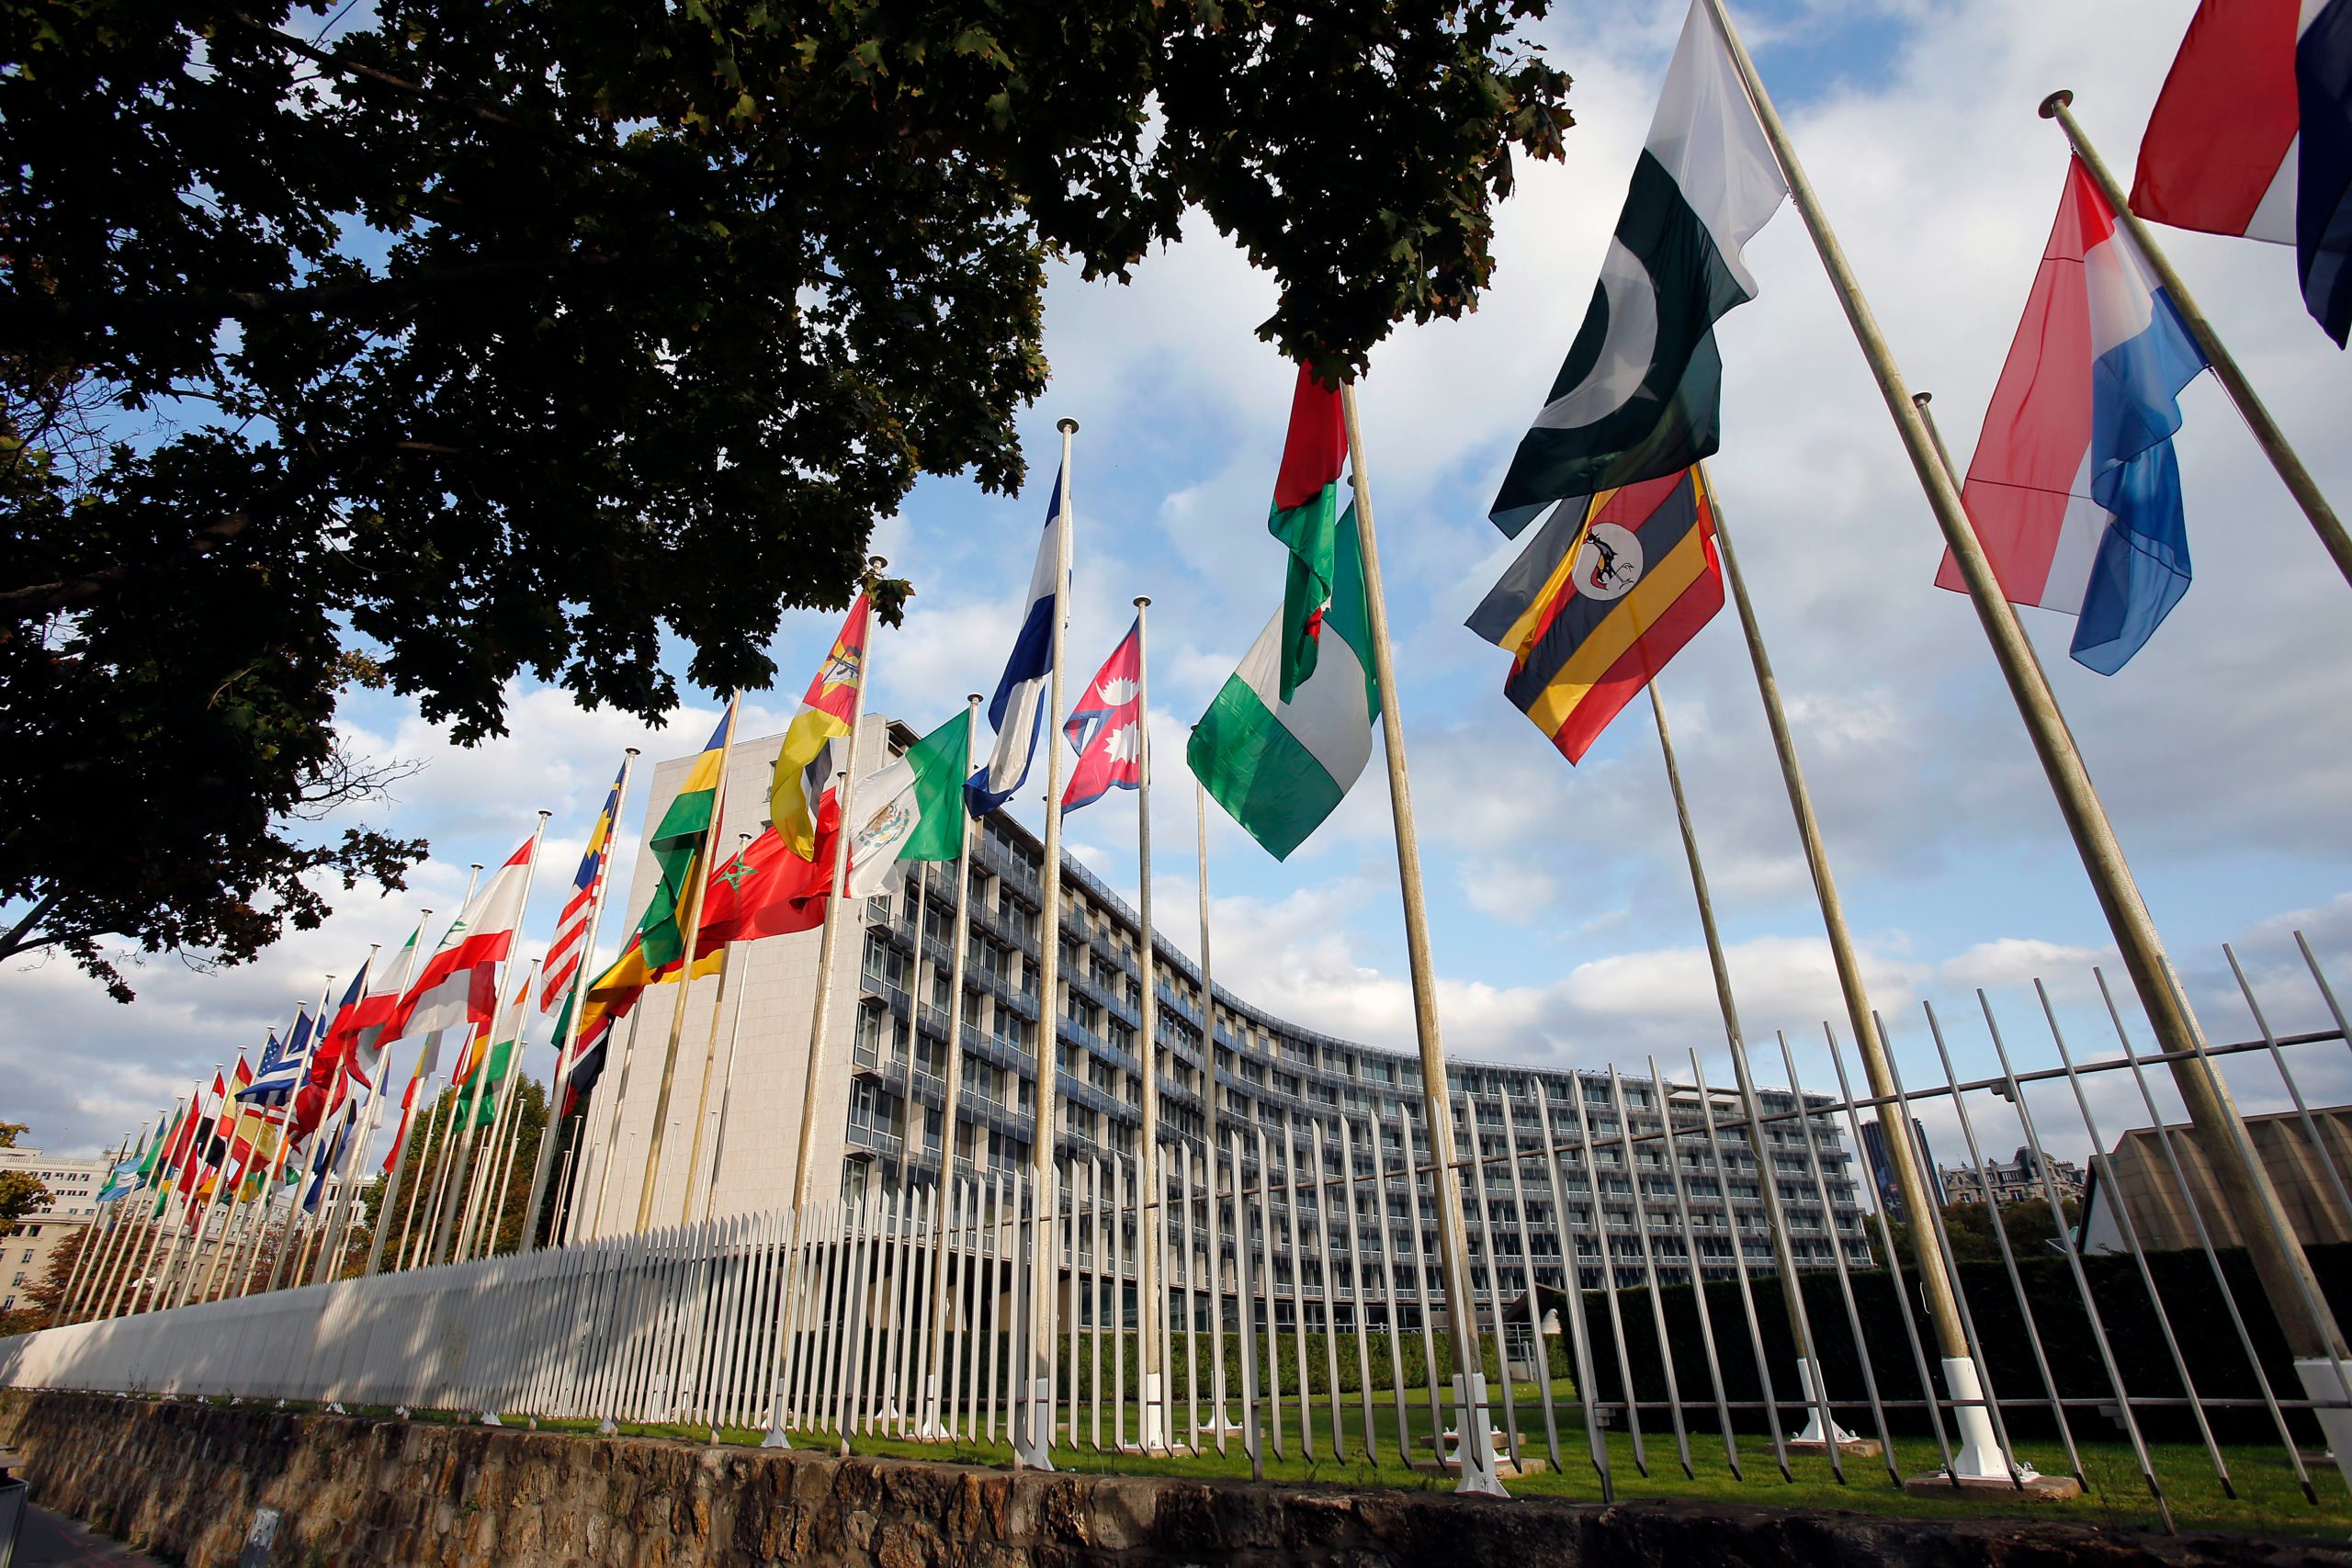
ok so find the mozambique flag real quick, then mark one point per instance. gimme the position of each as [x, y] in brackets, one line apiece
[1607, 594]
[816, 747]
[676, 845]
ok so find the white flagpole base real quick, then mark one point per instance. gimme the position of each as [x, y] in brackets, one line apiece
[1029, 1449]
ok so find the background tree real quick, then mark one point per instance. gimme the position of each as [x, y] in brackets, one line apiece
[21, 1190]
[486, 340]
[1969, 1227]
[41, 1297]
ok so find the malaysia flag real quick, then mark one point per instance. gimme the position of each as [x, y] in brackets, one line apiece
[2073, 488]
[2251, 135]
[1107, 726]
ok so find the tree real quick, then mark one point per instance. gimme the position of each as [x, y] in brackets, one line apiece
[21, 1190]
[493, 340]
[432, 1142]
[42, 1297]
[1968, 1229]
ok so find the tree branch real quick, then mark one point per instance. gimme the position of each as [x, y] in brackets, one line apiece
[14, 942]
[21, 311]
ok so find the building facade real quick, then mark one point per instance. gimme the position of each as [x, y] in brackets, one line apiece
[33, 1241]
[1314, 1101]
[2024, 1178]
[2157, 1180]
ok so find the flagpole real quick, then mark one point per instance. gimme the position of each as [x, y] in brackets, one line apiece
[1148, 1205]
[710, 1056]
[477, 1220]
[335, 1220]
[403, 1135]
[376, 1092]
[168, 1170]
[152, 1270]
[185, 1276]
[111, 1244]
[1478, 1472]
[609, 1150]
[820, 1018]
[569, 1045]
[1035, 1438]
[1216, 1097]
[2294, 1290]
[412, 1235]
[102, 1288]
[224, 1255]
[698, 872]
[934, 1426]
[123, 1288]
[91, 1241]
[490, 1046]
[2267, 434]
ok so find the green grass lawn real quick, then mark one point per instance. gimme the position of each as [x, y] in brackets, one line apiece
[2267, 1501]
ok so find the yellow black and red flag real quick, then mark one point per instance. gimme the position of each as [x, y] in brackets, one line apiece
[1609, 592]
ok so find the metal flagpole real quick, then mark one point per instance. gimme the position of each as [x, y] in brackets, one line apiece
[726, 1080]
[107, 1231]
[610, 1149]
[412, 1234]
[836, 896]
[405, 1136]
[288, 1243]
[1980, 1457]
[1478, 1467]
[482, 1213]
[698, 870]
[142, 1259]
[718, 999]
[2309, 1327]
[570, 1044]
[339, 1206]
[1152, 1371]
[352, 1204]
[126, 1266]
[2267, 434]
[464, 1154]
[92, 1240]
[1035, 1435]
[1214, 1095]
[933, 1424]
[194, 1256]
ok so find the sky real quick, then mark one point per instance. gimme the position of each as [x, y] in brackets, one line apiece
[1561, 910]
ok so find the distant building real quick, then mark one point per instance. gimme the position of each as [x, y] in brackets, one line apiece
[1890, 1197]
[32, 1241]
[2152, 1194]
[2025, 1178]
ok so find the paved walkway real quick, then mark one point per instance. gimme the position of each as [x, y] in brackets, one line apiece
[52, 1540]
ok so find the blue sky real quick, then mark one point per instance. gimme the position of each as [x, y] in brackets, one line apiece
[1561, 908]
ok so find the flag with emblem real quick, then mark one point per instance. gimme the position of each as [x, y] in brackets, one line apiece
[1105, 726]
[1639, 396]
[1600, 601]
[568, 948]
[908, 810]
[766, 888]
[1306, 518]
[816, 747]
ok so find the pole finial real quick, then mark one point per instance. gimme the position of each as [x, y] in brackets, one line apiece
[544, 815]
[1921, 400]
[475, 865]
[874, 564]
[974, 698]
[631, 751]
[1066, 426]
[2056, 101]
[1143, 601]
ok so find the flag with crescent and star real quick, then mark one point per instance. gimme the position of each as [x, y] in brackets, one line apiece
[1106, 727]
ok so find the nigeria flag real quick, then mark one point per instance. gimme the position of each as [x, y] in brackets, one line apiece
[1640, 393]
[1281, 764]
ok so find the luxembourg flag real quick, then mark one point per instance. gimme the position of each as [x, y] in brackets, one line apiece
[1018, 709]
[2073, 488]
[2251, 135]
[1107, 726]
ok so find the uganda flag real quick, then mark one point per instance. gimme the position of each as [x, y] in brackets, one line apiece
[1639, 396]
[1601, 600]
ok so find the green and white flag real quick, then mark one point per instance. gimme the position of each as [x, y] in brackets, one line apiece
[1640, 395]
[913, 810]
[1280, 768]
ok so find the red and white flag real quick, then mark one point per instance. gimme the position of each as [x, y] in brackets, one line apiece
[458, 987]
[1107, 726]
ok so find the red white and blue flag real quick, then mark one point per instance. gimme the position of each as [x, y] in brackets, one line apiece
[2253, 135]
[569, 946]
[1107, 726]
[2073, 488]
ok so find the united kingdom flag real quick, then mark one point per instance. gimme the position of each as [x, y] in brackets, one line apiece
[1107, 726]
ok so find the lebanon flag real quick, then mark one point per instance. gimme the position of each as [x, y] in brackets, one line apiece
[2074, 489]
[1282, 767]
[1640, 394]
[1107, 726]
[2253, 135]
[457, 986]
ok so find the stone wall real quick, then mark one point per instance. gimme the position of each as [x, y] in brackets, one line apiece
[183, 1480]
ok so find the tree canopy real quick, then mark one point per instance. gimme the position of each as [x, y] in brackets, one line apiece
[469, 342]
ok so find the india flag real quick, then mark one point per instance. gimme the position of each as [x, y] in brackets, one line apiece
[1280, 768]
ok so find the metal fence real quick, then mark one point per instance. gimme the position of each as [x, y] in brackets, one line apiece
[1661, 1269]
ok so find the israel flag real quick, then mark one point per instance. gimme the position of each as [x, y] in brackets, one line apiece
[1018, 711]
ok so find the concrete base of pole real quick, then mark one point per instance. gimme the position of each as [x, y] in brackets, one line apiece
[1030, 1445]
[490, 1418]
[1813, 1439]
[775, 1439]
[2325, 1387]
[1978, 1464]
[1474, 1460]
[606, 1427]
[1151, 1435]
